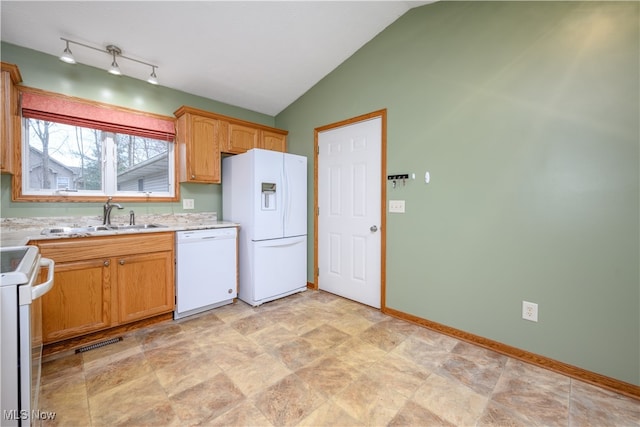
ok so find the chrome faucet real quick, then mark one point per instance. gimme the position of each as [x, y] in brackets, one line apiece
[106, 211]
[132, 217]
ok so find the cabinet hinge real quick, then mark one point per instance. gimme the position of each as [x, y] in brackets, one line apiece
[318, 271]
[317, 149]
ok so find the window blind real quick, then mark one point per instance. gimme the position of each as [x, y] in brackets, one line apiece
[77, 112]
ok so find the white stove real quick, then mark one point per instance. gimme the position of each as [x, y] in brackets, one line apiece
[21, 332]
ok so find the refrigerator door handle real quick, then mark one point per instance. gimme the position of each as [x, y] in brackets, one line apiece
[286, 202]
[280, 243]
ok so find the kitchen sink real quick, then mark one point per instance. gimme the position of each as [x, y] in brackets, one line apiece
[135, 227]
[75, 230]
[97, 228]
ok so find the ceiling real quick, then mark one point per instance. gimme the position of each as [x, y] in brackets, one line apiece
[258, 55]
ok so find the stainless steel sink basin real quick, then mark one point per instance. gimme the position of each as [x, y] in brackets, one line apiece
[74, 230]
[61, 231]
[136, 227]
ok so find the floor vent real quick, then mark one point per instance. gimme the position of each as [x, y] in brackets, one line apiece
[98, 345]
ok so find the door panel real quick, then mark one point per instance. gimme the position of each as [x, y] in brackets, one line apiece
[349, 219]
[335, 253]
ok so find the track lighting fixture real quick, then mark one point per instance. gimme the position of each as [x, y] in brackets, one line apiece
[115, 53]
[67, 56]
[114, 50]
[153, 79]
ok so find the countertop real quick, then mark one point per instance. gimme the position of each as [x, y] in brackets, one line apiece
[19, 231]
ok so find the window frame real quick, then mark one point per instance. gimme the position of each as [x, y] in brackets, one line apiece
[62, 196]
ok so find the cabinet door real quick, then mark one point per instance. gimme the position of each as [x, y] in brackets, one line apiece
[273, 141]
[145, 285]
[241, 138]
[199, 149]
[8, 121]
[79, 301]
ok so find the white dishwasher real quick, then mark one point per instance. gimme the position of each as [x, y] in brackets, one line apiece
[206, 270]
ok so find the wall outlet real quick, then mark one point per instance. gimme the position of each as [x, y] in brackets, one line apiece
[396, 206]
[188, 204]
[530, 311]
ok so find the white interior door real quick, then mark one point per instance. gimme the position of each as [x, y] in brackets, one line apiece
[349, 217]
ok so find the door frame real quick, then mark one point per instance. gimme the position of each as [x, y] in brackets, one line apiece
[382, 114]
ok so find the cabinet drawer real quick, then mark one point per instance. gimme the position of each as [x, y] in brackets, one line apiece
[83, 248]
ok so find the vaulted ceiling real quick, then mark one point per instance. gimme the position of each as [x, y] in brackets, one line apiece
[258, 55]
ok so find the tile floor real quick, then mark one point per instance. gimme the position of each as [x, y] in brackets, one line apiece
[312, 359]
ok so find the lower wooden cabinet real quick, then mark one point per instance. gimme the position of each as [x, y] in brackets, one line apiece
[145, 285]
[102, 282]
[79, 302]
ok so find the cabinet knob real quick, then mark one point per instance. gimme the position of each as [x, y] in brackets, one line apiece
[107, 263]
[121, 262]
[193, 176]
[230, 291]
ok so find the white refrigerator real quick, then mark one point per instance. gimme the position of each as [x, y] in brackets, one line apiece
[266, 193]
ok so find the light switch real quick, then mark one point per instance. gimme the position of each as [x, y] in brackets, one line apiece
[396, 206]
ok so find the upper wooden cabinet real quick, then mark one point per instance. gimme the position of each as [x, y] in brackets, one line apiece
[270, 140]
[9, 117]
[240, 138]
[202, 136]
[198, 148]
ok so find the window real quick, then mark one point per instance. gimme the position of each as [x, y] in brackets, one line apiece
[59, 157]
[62, 182]
[80, 150]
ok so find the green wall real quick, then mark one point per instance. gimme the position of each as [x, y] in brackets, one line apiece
[526, 115]
[47, 72]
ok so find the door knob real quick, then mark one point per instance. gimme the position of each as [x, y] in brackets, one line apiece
[373, 228]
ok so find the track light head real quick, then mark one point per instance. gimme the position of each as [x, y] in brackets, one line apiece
[67, 56]
[153, 79]
[115, 69]
[114, 50]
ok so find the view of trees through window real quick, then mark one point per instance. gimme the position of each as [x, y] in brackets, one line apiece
[65, 157]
